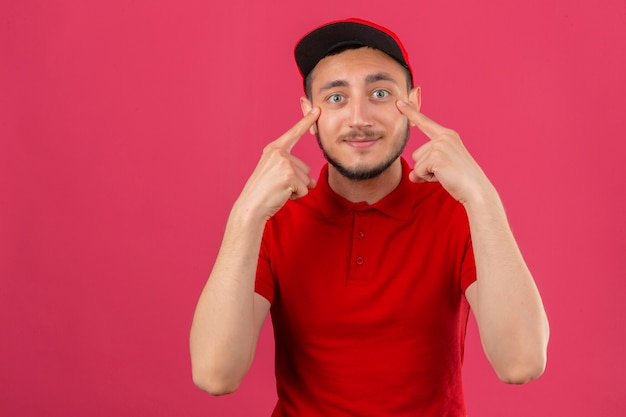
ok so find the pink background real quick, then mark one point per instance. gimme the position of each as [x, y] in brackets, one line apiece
[128, 127]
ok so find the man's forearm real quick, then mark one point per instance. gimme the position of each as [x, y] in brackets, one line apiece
[224, 330]
[505, 299]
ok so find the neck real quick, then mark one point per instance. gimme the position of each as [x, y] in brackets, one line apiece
[369, 191]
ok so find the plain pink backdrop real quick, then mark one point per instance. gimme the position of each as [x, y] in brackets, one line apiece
[127, 129]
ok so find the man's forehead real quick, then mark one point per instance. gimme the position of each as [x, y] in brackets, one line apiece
[368, 79]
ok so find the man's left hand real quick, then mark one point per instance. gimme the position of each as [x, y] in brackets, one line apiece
[444, 158]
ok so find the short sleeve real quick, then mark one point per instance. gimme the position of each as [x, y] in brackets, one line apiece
[264, 283]
[468, 266]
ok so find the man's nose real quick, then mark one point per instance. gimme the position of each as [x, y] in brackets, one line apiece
[360, 112]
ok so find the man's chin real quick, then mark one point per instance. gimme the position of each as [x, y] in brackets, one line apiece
[360, 172]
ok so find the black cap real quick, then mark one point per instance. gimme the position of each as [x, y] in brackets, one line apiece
[331, 36]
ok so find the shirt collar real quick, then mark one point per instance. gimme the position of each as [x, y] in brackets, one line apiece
[397, 204]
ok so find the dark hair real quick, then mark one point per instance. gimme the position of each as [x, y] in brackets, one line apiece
[337, 51]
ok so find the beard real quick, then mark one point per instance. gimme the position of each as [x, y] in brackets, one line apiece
[363, 172]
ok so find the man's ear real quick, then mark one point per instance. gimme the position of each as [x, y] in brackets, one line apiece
[306, 106]
[415, 97]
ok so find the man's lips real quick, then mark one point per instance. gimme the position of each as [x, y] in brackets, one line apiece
[362, 138]
[362, 142]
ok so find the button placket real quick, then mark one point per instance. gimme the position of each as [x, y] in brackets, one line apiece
[358, 270]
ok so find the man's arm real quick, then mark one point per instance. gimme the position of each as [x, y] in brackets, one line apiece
[504, 299]
[229, 314]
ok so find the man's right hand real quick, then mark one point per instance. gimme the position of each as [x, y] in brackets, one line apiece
[229, 314]
[279, 175]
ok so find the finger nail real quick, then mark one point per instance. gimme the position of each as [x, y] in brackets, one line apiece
[402, 103]
[315, 110]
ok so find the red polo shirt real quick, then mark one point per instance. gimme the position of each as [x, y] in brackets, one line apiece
[367, 302]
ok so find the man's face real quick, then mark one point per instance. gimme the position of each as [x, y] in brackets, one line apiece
[360, 129]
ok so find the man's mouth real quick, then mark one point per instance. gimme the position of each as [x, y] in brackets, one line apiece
[362, 138]
[362, 142]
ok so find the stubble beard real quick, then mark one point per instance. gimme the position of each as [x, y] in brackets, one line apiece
[362, 172]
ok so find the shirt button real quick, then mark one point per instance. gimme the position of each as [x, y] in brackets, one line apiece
[360, 234]
[359, 260]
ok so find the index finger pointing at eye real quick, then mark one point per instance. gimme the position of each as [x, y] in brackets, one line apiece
[289, 139]
[428, 126]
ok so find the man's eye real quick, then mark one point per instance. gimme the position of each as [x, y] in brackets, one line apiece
[335, 98]
[380, 93]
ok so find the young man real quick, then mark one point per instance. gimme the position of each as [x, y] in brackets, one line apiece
[370, 271]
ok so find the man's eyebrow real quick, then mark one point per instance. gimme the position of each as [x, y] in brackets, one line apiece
[370, 79]
[333, 84]
[379, 76]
